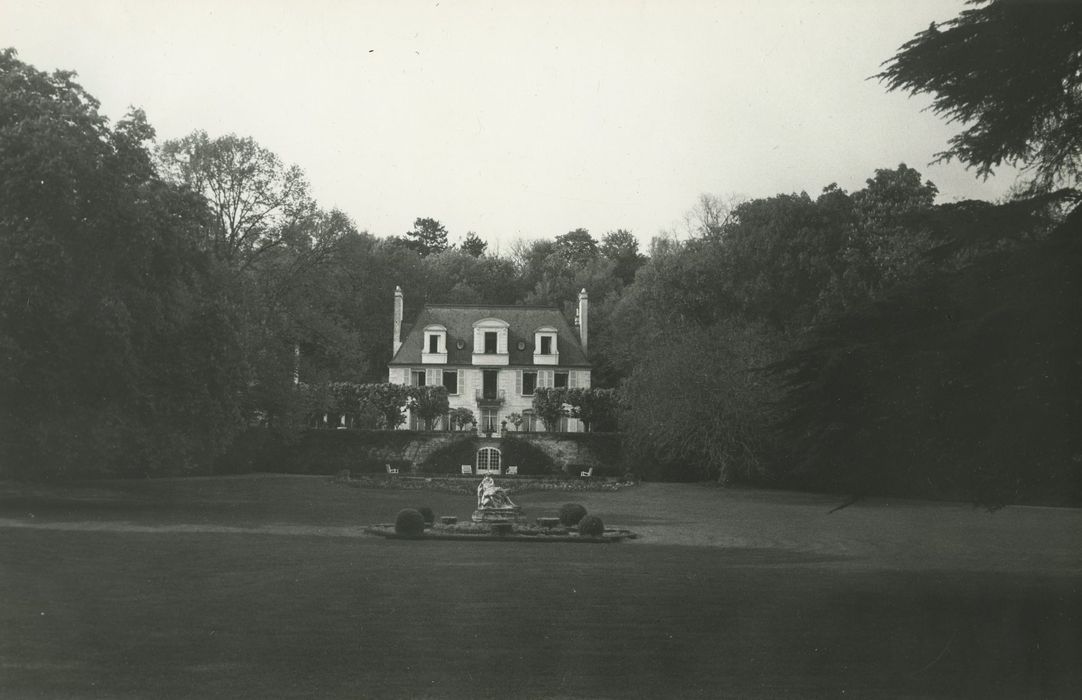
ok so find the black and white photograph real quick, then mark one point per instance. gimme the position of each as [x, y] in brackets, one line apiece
[525, 349]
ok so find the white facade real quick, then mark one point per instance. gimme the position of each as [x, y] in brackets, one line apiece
[511, 388]
[492, 359]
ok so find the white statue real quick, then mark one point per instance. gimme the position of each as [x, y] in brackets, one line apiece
[489, 495]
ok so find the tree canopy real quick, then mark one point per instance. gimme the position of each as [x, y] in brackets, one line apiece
[118, 336]
[1011, 73]
[427, 236]
[259, 203]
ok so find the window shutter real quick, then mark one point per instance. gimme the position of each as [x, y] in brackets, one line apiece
[433, 377]
[518, 382]
[572, 379]
[461, 385]
[546, 378]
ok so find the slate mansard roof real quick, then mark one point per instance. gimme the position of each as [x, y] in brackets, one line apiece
[522, 320]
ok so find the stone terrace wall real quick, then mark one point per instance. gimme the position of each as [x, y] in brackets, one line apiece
[573, 452]
[367, 451]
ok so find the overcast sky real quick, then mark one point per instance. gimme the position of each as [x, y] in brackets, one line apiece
[518, 119]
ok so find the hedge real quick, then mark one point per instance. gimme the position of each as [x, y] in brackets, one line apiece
[316, 452]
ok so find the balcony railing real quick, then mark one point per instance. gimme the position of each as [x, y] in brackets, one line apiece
[490, 397]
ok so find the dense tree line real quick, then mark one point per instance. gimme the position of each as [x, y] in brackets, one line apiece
[158, 298]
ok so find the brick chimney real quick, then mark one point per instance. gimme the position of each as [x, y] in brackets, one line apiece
[398, 302]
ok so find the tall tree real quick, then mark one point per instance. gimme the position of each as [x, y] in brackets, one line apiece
[578, 247]
[260, 203]
[427, 236]
[473, 244]
[622, 248]
[1011, 73]
[119, 345]
[958, 382]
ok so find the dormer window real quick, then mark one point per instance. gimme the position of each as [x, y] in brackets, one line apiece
[435, 347]
[490, 342]
[544, 346]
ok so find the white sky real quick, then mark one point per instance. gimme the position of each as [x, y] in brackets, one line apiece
[518, 119]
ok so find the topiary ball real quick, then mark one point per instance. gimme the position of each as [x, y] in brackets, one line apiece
[409, 523]
[572, 513]
[591, 526]
[427, 514]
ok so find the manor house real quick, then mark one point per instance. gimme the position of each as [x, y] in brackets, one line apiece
[492, 358]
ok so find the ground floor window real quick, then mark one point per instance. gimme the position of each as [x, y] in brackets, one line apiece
[450, 381]
[488, 459]
[488, 420]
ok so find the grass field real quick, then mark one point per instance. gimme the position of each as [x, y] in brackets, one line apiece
[265, 587]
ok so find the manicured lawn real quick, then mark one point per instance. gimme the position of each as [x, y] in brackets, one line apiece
[264, 587]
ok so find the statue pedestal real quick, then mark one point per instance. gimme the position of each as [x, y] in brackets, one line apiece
[488, 515]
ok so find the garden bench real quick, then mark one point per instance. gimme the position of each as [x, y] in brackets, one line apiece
[512, 471]
[391, 470]
[587, 474]
[467, 469]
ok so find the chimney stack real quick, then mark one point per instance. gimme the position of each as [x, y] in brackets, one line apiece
[397, 319]
[583, 303]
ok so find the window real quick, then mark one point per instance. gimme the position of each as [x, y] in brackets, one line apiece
[417, 376]
[529, 383]
[560, 380]
[491, 342]
[450, 381]
[433, 343]
[488, 459]
[546, 345]
[529, 421]
[488, 420]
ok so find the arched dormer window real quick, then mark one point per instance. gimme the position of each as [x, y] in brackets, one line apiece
[435, 350]
[490, 342]
[544, 346]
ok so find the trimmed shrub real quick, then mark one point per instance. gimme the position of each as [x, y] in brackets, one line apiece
[409, 523]
[427, 514]
[591, 526]
[572, 513]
